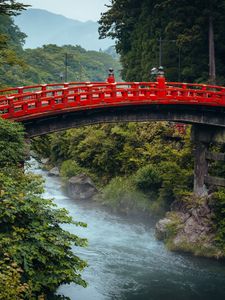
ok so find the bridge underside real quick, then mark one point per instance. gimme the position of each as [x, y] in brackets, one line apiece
[194, 114]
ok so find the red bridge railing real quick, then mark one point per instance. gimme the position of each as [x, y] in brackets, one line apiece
[23, 103]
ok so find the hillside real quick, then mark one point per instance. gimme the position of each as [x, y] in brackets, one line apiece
[43, 27]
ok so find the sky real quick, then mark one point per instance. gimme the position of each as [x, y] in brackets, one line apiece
[82, 10]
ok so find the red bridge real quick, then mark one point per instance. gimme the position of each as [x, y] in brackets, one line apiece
[51, 107]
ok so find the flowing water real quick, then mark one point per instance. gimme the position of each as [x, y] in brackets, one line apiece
[126, 262]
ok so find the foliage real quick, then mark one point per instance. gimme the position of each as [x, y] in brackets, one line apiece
[31, 235]
[47, 65]
[11, 7]
[32, 242]
[218, 203]
[120, 195]
[153, 158]
[148, 178]
[182, 26]
[11, 286]
[12, 147]
[70, 168]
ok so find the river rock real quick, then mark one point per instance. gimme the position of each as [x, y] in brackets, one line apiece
[189, 227]
[54, 172]
[81, 187]
[161, 230]
[44, 161]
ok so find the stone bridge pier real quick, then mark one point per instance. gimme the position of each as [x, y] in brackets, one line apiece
[203, 136]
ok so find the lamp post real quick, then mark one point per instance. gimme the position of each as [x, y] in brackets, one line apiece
[157, 72]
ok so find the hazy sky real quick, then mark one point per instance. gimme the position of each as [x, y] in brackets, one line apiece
[82, 10]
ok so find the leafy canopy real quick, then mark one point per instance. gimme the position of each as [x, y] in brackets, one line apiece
[32, 242]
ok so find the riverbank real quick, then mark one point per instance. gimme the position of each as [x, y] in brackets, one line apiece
[192, 226]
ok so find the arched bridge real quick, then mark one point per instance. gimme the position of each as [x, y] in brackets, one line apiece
[51, 107]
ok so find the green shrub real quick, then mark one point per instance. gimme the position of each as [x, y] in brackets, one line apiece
[70, 168]
[148, 178]
[12, 148]
[218, 203]
[121, 195]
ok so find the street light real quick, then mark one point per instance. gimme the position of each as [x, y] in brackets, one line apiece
[157, 71]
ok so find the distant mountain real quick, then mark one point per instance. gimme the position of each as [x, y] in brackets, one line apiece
[43, 27]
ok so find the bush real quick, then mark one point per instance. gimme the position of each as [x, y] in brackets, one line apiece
[12, 148]
[70, 168]
[120, 194]
[148, 178]
[218, 203]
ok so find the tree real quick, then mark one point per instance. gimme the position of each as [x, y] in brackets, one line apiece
[11, 38]
[183, 27]
[11, 7]
[31, 236]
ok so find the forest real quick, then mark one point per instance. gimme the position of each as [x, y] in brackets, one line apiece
[179, 28]
[137, 167]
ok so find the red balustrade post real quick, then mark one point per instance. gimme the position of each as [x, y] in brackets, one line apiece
[161, 85]
[184, 89]
[20, 90]
[44, 89]
[89, 93]
[38, 95]
[114, 92]
[135, 87]
[223, 95]
[65, 95]
[11, 105]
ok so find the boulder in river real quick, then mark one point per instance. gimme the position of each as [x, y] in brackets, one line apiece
[54, 172]
[81, 187]
[45, 161]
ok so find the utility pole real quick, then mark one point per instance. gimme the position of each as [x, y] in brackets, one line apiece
[212, 64]
[66, 67]
[179, 63]
[160, 51]
[67, 57]
[161, 41]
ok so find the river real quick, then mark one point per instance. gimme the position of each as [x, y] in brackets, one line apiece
[126, 262]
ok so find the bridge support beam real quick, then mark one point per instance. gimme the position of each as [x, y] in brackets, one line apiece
[202, 137]
[200, 168]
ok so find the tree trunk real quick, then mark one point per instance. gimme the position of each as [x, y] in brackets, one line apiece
[212, 64]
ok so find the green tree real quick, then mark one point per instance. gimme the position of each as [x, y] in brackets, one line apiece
[11, 40]
[183, 28]
[31, 236]
[11, 7]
